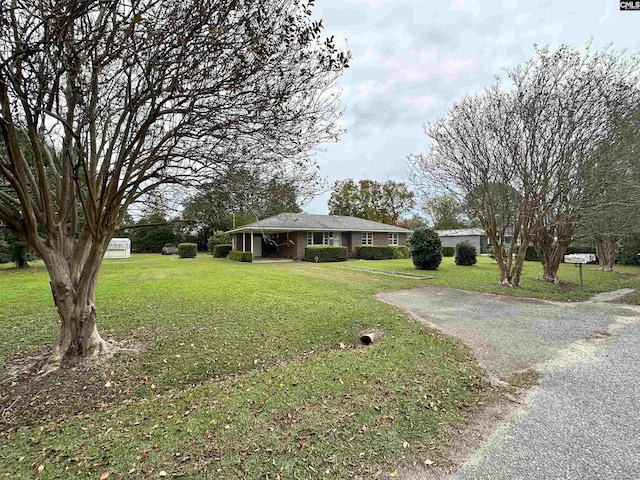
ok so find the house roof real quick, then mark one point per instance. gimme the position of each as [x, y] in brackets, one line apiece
[287, 222]
[461, 232]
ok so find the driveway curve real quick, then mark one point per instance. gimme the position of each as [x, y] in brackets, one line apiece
[583, 420]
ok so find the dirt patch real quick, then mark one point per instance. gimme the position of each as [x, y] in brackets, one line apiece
[80, 385]
[597, 335]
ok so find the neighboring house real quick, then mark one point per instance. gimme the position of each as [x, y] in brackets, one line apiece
[475, 236]
[286, 235]
[118, 248]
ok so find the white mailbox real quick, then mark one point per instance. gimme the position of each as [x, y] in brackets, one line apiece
[580, 258]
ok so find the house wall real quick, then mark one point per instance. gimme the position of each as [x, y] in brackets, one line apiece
[295, 250]
[238, 241]
[453, 241]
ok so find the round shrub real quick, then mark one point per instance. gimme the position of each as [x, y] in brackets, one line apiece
[187, 250]
[465, 254]
[426, 249]
[218, 238]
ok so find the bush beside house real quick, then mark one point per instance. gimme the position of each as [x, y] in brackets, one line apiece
[381, 252]
[465, 254]
[325, 254]
[221, 251]
[239, 256]
[218, 238]
[426, 249]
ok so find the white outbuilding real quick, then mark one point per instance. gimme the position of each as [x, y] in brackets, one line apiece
[118, 248]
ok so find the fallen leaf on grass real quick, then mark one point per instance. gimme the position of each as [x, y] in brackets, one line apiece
[394, 473]
[104, 476]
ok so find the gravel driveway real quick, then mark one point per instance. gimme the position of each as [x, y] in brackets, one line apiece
[583, 420]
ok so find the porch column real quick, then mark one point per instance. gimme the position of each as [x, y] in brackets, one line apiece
[251, 233]
[243, 237]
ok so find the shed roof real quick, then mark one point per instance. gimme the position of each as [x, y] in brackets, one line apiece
[461, 232]
[306, 221]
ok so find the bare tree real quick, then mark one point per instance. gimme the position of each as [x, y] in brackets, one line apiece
[529, 138]
[119, 97]
[607, 209]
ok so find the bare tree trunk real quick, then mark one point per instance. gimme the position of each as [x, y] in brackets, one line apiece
[510, 265]
[551, 253]
[73, 292]
[606, 252]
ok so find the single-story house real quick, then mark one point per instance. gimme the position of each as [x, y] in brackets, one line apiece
[118, 248]
[475, 236]
[286, 235]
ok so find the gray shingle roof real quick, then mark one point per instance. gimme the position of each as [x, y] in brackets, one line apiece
[307, 221]
[461, 232]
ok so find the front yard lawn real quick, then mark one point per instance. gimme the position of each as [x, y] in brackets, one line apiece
[483, 277]
[247, 371]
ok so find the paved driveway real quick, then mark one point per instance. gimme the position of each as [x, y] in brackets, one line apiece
[583, 421]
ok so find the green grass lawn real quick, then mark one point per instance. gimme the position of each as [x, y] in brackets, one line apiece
[248, 371]
[483, 277]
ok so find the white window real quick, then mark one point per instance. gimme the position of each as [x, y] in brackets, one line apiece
[367, 238]
[393, 239]
[319, 238]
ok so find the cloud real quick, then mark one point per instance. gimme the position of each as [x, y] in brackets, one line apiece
[421, 102]
[418, 67]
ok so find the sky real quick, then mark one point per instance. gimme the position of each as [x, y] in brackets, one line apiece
[413, 59]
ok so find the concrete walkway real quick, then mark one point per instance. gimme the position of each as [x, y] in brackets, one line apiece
[583, 421]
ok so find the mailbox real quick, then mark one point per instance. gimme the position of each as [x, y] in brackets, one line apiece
[580, 258]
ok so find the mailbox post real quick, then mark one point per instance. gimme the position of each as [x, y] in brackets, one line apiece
[580, 259]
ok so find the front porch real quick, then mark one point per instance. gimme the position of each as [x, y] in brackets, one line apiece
[270, 245]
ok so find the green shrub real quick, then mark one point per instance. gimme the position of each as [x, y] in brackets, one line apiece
[465, 254]
[239, 256]
[627, 258]
[325, 254]
[381, 252]
[531, 255]
[425, 248]
[492, 255]
[448, 251]
[402, 251]
[221, 251]
[218, 238]
[187, 250]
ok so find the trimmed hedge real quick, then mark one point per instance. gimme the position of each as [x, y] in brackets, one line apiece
[381, 252]
[325, 254]
[221, 251]
[448, 251]
[426, 249]
[239, 256]
[465, 254]
[187, 250]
